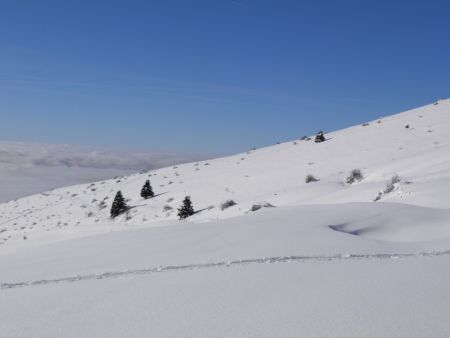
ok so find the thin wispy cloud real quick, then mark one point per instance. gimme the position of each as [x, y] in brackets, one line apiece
[239, 4]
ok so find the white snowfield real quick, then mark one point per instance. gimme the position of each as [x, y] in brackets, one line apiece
[321, 259]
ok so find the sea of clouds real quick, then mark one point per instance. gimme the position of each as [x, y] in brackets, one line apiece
[28, 168]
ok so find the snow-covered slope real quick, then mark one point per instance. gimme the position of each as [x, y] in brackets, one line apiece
[320, 259]
[419, 155]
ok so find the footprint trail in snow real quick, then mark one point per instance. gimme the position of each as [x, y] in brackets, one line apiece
[234, 263]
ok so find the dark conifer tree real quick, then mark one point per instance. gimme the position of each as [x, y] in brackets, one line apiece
[119, 205]
[147, 191]
[319, 137]
[186, 209]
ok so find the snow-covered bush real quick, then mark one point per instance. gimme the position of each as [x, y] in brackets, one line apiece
[355, 176]
[310, 178]
[392, 184]
[256, 207]
[390, 187]
[227, 204]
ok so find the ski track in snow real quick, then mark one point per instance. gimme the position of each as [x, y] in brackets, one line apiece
[235, 263]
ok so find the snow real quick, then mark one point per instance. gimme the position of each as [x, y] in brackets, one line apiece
[328, 299]
[325, 261]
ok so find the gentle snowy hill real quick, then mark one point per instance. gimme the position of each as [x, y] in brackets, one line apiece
[419, 155]
[327, 258]
[29, 168]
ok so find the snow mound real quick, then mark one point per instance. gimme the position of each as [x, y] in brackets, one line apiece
[402, 223]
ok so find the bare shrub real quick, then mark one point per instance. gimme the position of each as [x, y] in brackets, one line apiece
[227, 204]
[310, 178]
[167, 208]
[256, 207]
[390, 187]
[355, 176]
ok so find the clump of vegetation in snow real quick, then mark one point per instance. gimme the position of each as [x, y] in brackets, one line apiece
[390, 187]
[320, 137]
[256, 207]
[227, 204]
[167, 208]
[128, 216]
[355, 176]
[392, 184]
[310, 178]
[102, 205]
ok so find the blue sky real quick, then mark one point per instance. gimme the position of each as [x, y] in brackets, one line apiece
[216, 76]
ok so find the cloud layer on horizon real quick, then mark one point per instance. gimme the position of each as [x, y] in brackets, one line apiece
[28, 168]
[49, 155]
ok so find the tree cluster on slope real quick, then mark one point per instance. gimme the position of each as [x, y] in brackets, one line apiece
[120, 206]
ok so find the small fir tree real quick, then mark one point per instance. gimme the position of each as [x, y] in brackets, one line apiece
[147, 191]
[119, 205]
[186, 209]
[320, 137]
